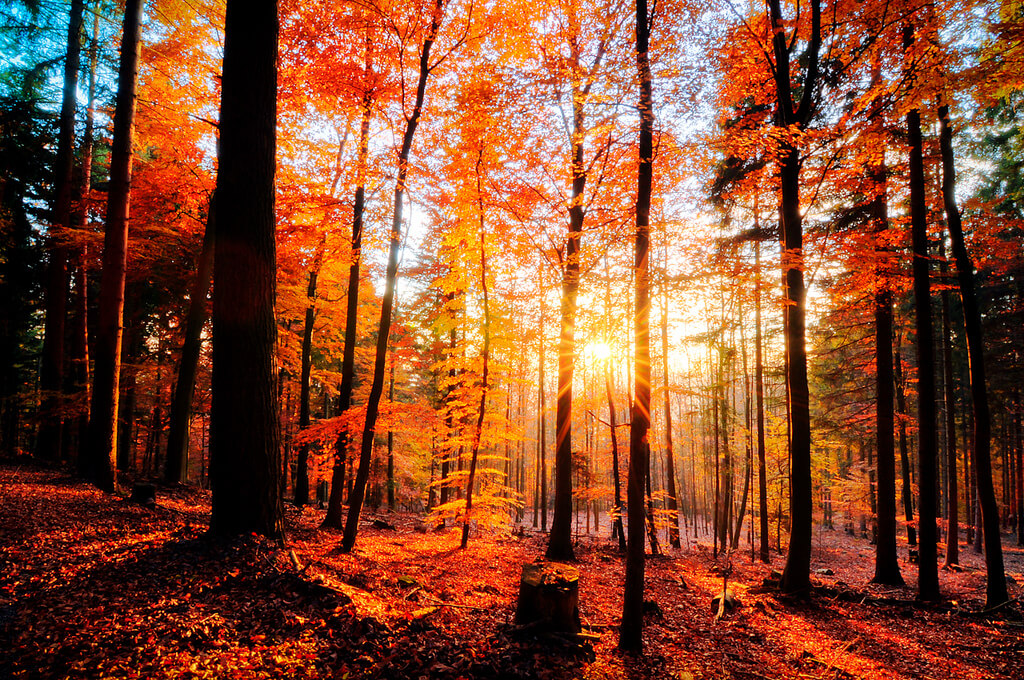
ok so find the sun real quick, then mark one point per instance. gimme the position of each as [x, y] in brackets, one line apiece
[598, 350]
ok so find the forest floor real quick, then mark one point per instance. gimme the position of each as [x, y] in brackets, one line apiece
[93, 586]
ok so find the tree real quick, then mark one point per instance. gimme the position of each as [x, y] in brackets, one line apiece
[384, 328]
[887, 569]
[245, 456]
[995, 591]
[928, 578]
[631, 631]
[101, 447]
[51, 373]
[795, 116]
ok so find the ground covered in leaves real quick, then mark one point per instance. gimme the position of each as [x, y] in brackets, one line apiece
[93, 586]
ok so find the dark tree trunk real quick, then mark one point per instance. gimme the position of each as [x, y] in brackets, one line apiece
[901, 410]
[631, 631]
[486, 355]
[542, 440]
[181, 407]
[762, 472]
[618, 532]
[51, 370]
[245, 447]
[384, 327]
[995, 591]
[332, 519]
[949, 401]
[101, 447]
[796, 575]
[302, 461]
[887, 567]
[79, 343]
[928, 579]
[670, 463]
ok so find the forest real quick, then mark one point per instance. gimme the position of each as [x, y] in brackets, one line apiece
[477, 339]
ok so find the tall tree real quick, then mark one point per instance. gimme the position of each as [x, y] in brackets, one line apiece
[995, 591]
[631, 631]
[332, 518]
[51, 373]
[245, 450]
[176, 469]
[928, 578]
[384, 328]
[791, 116]
[101, 447]
[887, 568]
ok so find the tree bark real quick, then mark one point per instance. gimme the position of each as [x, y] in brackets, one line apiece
[796, 575]
[928, 579]
[486, 355]
[631, 631]
[762, 472]
[384, 327]
[176, 470]
[332, 519]
[670, 463]
[101, 446]
[949, 402]
[51, 370]
[887, 567]
[245, 447]
[995, 591]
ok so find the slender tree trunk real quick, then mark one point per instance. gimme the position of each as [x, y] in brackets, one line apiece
[301, 485]
[332, 518]
[486, 355]
[618, 532]
[995, 592]
[51, 373]
[670, 463]
[391, 436]
[384, 327]
[949, 399]
[928, 580]
[181, 407]
[762, 472]
[631, 631]
[245, 438]
[101, 446]
[796, 575]
[901, 410]
[83, 190]
[887, 567]
[542, 473]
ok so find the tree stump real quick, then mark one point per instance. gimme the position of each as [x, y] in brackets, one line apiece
[144, 494]
[549, 597]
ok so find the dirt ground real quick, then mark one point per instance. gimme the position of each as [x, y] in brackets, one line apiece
[93, 586]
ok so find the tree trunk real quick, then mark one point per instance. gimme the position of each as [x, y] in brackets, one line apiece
[928, 579]
[887, 567]
[949, 400]
[901, 410]
[302, 461]
[796, 575]
[486, 355]
[670, 463]
[762, 472]
[631, 631]
[995, 591]
[51, 370]
[332, 519]
[176, 470]
[384, 327]
[245, 450]
[80, 334]
[101, 446]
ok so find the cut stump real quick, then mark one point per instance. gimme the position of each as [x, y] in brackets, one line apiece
[144, 494]
[549, 597]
